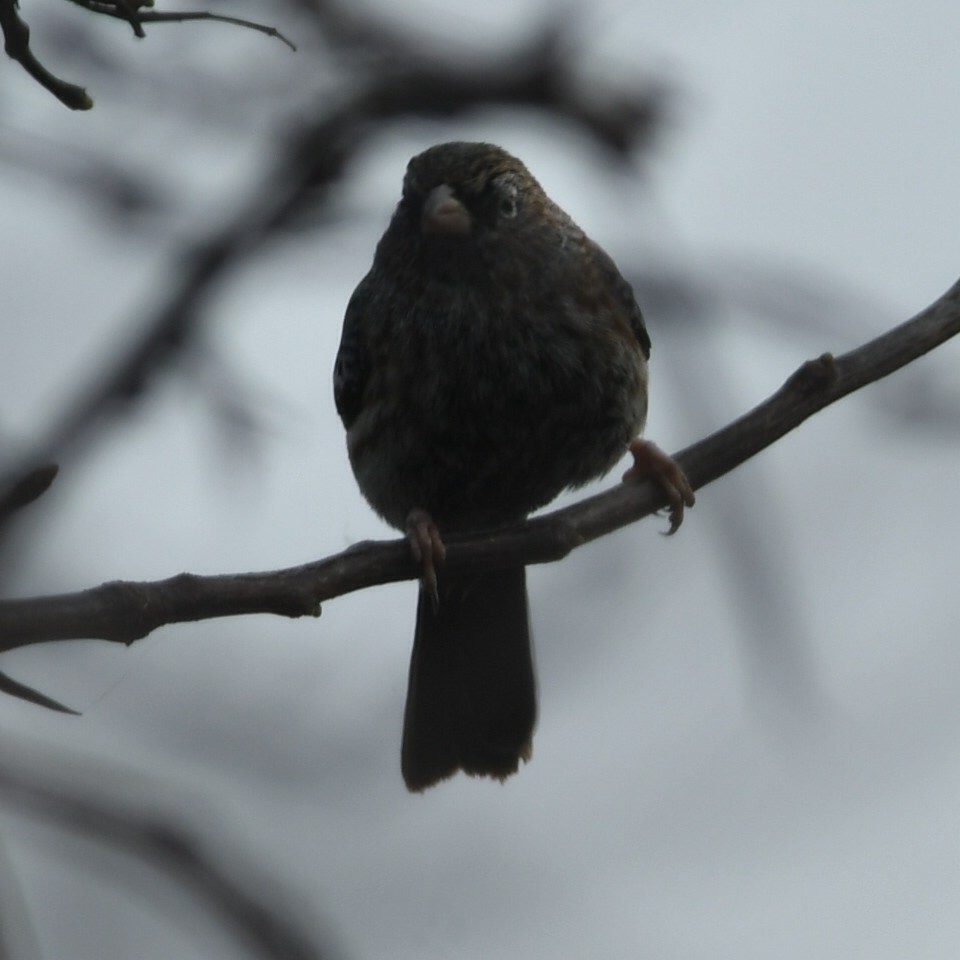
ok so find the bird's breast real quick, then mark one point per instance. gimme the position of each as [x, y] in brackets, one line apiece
[479, 414]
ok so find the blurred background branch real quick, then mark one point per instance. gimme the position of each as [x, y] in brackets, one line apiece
[143, 819]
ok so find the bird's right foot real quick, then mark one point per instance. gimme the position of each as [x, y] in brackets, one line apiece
[428, 551]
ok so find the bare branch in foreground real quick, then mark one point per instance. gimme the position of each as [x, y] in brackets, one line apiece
[16, 36]
[125, 611]
[133, 12]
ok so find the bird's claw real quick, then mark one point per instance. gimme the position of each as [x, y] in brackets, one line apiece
[650, 461]
[426, 546]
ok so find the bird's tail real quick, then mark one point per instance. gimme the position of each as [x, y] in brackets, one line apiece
[472, 699]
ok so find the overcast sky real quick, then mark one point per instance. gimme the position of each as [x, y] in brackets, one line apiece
[747, 744]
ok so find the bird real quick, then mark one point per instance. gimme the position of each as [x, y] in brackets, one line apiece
[492, 357]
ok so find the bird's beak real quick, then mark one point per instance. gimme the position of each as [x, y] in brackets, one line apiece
[443, 213]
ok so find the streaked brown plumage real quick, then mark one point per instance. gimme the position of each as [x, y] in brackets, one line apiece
[492, 357]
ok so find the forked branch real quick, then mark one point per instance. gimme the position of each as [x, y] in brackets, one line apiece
[16, 37]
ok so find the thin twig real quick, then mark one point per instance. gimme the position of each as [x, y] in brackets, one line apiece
[16, 36]
[126, 611]
[21, 691]
[16, 43]
[136, 17]
[176, 17]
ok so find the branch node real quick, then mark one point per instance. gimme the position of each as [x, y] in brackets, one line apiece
[814, 376]
[130, 596]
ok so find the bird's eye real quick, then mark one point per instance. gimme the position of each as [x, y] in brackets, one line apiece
[506, 198]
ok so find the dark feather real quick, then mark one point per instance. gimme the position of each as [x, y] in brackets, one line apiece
[623, 293]
[352, 367]
[471, 701]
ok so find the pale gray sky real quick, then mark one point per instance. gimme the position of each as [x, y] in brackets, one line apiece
[675, 807]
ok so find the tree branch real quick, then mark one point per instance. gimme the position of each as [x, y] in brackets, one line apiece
[16, 36]
[16, 44]
[133, 13]
[125, 611]
[21, 691]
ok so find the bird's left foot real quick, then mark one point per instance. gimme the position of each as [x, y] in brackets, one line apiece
[426, 546]
[650, 461]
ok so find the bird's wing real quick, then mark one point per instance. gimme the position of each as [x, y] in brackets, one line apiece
[623, 293]
[352, 368]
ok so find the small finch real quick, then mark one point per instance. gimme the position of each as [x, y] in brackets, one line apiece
[491, 358]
